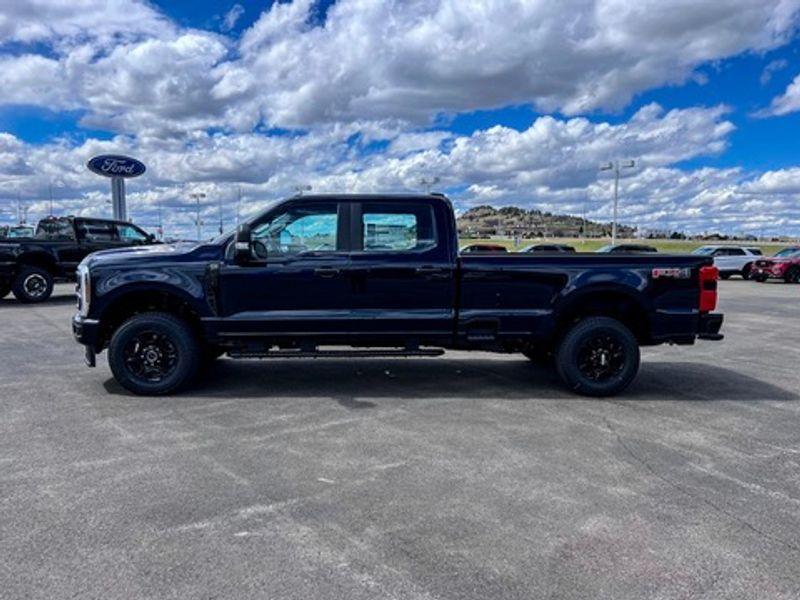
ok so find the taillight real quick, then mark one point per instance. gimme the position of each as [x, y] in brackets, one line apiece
[708, 288]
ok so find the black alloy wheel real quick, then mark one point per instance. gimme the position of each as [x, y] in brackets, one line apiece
[598, 356]
[151, 356]
[154, 354]
[32, 284]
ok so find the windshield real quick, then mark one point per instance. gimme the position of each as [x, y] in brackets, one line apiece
[608, 248]
[224, 238]
[704, 250]
[786, 252]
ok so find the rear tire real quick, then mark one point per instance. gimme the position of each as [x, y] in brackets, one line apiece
[599, 356]
[154, 354]
[792, 275]
[32, 285]
[748, 269]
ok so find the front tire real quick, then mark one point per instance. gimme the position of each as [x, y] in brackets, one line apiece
[599, 356]
[32, 285]
[153, 354]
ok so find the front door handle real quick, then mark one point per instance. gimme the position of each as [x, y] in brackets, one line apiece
[327, 272]
[433, 272]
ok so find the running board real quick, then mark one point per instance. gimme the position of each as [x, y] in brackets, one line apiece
[335, 353]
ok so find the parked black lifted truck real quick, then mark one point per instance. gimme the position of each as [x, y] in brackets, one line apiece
[382, 275]
[29, 266]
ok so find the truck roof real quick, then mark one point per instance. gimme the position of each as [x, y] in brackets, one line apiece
[373, 197]
[83, 218]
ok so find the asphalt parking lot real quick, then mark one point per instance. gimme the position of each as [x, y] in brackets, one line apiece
[468, 476]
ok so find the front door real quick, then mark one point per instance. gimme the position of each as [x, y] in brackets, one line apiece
[297, 282]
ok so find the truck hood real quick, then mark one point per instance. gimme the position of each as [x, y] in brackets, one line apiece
[135, 255]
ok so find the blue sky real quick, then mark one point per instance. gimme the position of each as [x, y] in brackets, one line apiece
[507, 102]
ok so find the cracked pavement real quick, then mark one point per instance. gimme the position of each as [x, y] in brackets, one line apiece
[467, 476]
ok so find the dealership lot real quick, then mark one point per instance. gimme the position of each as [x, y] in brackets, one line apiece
[469, 476]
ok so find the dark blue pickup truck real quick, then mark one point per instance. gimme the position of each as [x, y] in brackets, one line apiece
[355, 275]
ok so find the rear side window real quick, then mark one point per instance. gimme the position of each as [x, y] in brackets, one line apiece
[98, 231]
[392, 227]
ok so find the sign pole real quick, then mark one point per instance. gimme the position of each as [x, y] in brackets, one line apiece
[117, 168]
[118, 199]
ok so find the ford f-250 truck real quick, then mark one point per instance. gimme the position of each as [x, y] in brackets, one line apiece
[382, 276]
[29, 266]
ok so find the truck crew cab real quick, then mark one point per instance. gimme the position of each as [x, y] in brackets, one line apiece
[381, 275]
[30, 266]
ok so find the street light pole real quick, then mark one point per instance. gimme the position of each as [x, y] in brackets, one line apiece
[197, 221]
[616, 166]
[428, 183]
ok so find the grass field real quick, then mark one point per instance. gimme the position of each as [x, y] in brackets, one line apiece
[666, 246]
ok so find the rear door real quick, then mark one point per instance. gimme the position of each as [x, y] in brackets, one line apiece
[730, 259]
[401, 269]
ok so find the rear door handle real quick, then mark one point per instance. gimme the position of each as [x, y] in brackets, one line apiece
[327, 272]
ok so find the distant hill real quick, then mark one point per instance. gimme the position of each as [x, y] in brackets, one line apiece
[488, 221]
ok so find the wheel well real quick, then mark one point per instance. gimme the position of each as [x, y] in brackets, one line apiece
[135, 303]
[619, 306]
[43, 261]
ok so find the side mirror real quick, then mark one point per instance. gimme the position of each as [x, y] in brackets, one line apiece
[241, 245]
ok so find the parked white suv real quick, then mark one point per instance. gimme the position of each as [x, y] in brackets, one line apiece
[732, 260]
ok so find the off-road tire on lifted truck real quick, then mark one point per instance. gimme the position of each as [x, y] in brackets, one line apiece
[32, 284]
[153, 354]
[598, 356]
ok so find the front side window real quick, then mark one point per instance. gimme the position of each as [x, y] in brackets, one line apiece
[397, 228]
[129, 233]
[299, 229]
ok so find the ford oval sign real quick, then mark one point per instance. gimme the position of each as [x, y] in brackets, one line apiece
[114, 165]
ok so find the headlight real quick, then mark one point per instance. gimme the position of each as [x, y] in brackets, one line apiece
[84, 291]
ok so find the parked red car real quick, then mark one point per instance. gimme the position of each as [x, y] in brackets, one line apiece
[784, 265]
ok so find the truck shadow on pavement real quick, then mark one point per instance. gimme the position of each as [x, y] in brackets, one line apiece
[351, 383]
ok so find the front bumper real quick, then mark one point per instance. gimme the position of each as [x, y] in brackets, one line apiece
[709, 325]
[87, 332]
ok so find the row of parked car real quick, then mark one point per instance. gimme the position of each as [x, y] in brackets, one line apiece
[745, 261]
